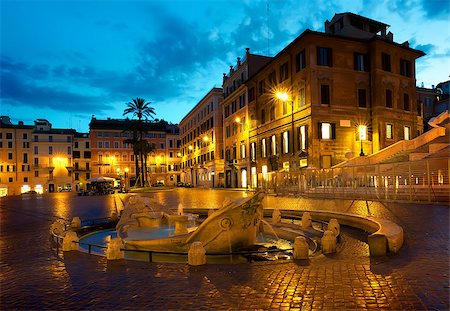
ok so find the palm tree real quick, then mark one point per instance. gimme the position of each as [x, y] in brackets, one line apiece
[141, 109]
[147, 148]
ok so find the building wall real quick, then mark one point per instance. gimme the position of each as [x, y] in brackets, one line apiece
[202, 142]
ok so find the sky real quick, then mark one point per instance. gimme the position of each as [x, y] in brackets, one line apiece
[66, 61]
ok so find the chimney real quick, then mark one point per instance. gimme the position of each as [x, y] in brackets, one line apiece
[20, 122]
[247, 51]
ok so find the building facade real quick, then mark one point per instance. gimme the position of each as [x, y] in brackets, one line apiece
[113, 155]
[236, 120]
[330, 96]
[202, 143]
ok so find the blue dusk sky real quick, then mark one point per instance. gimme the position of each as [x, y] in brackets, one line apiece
[68, 60]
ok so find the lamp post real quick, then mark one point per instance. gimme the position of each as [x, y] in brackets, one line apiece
[362, 129]
[126, 180]
[284, 97]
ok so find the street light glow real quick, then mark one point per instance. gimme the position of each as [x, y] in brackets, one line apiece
[283, 96]
[238, 120]
[205, 139]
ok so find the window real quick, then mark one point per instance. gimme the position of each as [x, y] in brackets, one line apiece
[406, 102]
[100, 144]
[386, 62]
[389, 132]
[285, 107]
[25, 158]
[75, 145]
[263, 116]
[69, 139]
[284, 72]
[233, 106]
[272, 113]
[69, 150]
[8, 135]
[36, 173]
[263, 148]
[10, 144]
[10, 155]
[324, 57]
[77, 176]
[405, 67]
[300, 61]
[407, 133]
[36, 138]
[273, 145]
[36, 150]
[362, 102]
[253, 151]
[241, 100]
[361, 62]
[50, 138]
[171, 142]
[285, 141]
[243, 151]
[251, 94]
[50, 150]
[87, 145]
[25, 136]
[262, 87]
[301, 97]
[227, 111]
[325, 94]
[388, 98]
[227, 131]
[273, 78]
[116, 145]
[106, 144]
[327, 130]
[36, 161]
[161, 145]
[87, 154]
[303, 137]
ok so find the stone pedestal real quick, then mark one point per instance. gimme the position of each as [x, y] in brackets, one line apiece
[57, 228]
[114, 252]
[301, 249]
[334, 226]
[197, 254]
[276, 216]
[68, 241]
[76, 223]
[377, 245]
[328, 242]
[306, 220]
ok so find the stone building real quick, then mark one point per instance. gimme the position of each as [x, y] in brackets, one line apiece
[330, 96]
[236, 120]
[112, 156]
[202, 142]
[81, 160]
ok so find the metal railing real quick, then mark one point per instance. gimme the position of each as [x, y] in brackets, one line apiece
[417, 181]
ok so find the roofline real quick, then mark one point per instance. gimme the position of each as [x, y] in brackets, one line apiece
[199, 102]
[362, 17]
[312, 32]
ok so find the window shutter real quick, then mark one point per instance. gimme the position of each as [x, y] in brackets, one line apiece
[333, 130]
[282, 143]
[320, 130]
[306, 137]
[330, 57]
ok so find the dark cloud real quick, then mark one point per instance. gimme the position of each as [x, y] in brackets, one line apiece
[436, 8]
[27, 85]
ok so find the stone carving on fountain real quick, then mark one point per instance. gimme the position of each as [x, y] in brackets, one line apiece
[231, 227]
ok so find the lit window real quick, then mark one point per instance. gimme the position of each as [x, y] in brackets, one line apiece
[389, 133]
[326, 130]
[243, 151]
[286, 142]
[273, 145]
[407, 132]
[253, 151]
[263, 148]
[302, 137]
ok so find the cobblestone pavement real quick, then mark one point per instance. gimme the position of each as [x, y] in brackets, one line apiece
[34, 278]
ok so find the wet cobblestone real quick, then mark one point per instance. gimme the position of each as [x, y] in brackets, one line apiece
[34, 278]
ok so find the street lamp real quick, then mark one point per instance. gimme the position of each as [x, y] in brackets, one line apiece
[362, 129]
[284, 97]
[126, 181]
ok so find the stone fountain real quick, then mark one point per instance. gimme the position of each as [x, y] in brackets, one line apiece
[228, 229]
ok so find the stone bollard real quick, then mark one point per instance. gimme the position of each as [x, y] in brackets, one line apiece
[306, 220]
[76, 223]
[276, 216]
[114, 252]
[196, 254]
[334, 226]
[328, 242]
[301, 248]
[211, 211]
[68, 241]
[114, 217]
[57, 228]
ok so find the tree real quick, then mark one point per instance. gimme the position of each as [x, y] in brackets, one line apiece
[140, 109]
